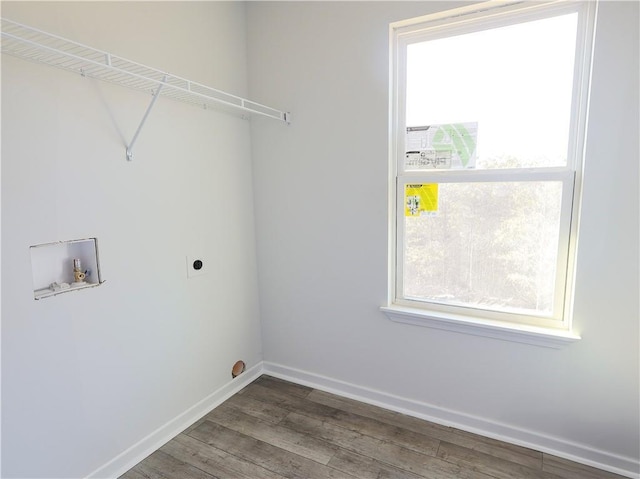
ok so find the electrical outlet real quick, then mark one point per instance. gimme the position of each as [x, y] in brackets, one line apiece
[196, 266]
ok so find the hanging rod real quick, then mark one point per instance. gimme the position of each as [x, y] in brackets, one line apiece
[32, 44]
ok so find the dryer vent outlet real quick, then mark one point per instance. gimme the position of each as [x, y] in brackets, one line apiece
[238, 369]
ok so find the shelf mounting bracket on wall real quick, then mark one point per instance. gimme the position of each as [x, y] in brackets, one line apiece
[36, 45]
[144, 119]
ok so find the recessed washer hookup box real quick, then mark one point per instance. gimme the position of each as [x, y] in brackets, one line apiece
[64, 266]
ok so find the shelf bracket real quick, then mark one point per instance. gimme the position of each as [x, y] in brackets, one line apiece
[144, 119]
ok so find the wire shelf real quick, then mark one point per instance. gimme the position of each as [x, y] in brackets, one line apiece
[35, 45]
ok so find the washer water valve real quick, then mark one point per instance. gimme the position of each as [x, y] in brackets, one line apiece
[78, 274]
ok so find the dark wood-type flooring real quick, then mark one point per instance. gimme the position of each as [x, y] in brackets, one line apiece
[274, 429]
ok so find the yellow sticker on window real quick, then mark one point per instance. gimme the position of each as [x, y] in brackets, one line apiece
[421, 199]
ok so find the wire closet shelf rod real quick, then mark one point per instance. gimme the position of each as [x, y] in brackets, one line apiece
[32, 44]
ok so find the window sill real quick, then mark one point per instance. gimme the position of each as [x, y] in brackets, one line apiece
[520, 333]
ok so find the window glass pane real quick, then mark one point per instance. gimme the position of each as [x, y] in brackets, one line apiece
[512, 84]
[485, 245]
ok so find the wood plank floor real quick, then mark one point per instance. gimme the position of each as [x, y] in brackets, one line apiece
[274, 429]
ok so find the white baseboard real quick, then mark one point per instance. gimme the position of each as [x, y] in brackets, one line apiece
[580, 453]
[143, 448]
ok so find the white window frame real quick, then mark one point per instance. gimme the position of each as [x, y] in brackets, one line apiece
[551, 332]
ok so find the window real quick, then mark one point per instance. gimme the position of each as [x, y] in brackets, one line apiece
[488, 122]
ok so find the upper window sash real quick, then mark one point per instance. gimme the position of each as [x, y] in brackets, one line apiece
[486, 16]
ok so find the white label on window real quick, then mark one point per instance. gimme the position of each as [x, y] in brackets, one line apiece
[446, 146]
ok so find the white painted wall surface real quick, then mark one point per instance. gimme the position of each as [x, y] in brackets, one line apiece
[86, 375]
[321, 214]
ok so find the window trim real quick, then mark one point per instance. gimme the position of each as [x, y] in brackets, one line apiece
[493, 14]
[519, 333]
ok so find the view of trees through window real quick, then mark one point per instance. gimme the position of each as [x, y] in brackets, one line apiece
[495, 241]
[489, 245]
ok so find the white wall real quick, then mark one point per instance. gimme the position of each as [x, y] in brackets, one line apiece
[321, 214]
[88, 374]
